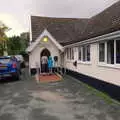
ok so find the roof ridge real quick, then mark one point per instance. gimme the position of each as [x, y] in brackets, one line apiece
[106, 9]
[53, 17]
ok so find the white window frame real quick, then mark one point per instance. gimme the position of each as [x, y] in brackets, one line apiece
[105, 64]
[67, 53]
[86, 61]
[70, 54]
[80, 48]
[99, 52]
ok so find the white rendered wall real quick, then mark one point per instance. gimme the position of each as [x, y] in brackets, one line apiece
[93, 69]
[35, 54]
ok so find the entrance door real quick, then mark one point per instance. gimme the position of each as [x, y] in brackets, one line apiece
[45, 52]
[44, 68]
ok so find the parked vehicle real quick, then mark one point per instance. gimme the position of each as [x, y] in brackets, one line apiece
[21, 60]
[9, 67]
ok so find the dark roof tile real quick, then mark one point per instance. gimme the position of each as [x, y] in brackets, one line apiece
[71, 30]
[62, 29]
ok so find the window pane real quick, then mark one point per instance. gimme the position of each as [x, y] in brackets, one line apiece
[110, 52]
[67, 54]
[102, 52]
[84, 53]
[118, 51]
[88, 53]
[79, 53]
[72, 53]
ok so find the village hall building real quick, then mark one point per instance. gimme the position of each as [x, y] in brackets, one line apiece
[88, 48]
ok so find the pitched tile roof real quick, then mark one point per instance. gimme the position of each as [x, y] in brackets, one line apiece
[62, 29]
[68, 30]
[105, 22]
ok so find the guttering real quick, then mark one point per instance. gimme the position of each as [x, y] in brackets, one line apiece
[109, 36]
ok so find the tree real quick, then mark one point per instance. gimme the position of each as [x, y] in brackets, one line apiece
[25, 40]
[14, 45]
[18, 44]
[3, 38]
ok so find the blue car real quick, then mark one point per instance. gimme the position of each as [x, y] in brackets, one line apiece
[9, 67]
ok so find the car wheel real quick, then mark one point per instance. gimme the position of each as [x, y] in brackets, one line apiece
[22, 65]
[20, 72]
[17, 76]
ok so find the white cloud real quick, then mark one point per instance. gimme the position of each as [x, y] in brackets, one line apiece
[11, 22]
[18, 11]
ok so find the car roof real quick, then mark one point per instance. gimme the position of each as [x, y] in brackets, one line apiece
[2, 57]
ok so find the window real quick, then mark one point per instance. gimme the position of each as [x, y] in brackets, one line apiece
[80, 53]
[84, 53]
[110, 52]
[118, 51]
[88, 52]
[70, 53]
[102, 52]
[68, 56]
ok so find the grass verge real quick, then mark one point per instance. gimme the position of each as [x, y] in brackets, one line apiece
[96, 92]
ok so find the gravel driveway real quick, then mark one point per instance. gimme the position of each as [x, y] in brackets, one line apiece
[66, 100]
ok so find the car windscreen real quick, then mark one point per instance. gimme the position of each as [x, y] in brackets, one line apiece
[4, 60]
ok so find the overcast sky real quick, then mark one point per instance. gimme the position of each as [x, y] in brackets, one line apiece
[16, 13]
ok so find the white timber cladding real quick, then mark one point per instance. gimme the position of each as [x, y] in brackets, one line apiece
[106, 70]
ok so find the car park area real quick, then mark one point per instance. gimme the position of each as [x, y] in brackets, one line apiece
[64, 100]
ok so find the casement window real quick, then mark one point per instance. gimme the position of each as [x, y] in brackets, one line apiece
[70, 53]
[109, 52]
[80, 53]
[84, 53]
[117, 51]
[88, 52]
[102, 52]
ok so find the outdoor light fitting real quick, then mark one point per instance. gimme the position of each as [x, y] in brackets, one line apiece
[45, 39]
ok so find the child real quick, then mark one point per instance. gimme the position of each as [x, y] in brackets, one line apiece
[50, 64]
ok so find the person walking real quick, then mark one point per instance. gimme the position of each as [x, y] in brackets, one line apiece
[44, 64]
[50, 65]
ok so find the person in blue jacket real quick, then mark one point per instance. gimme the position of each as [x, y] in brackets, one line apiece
[50, 64]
